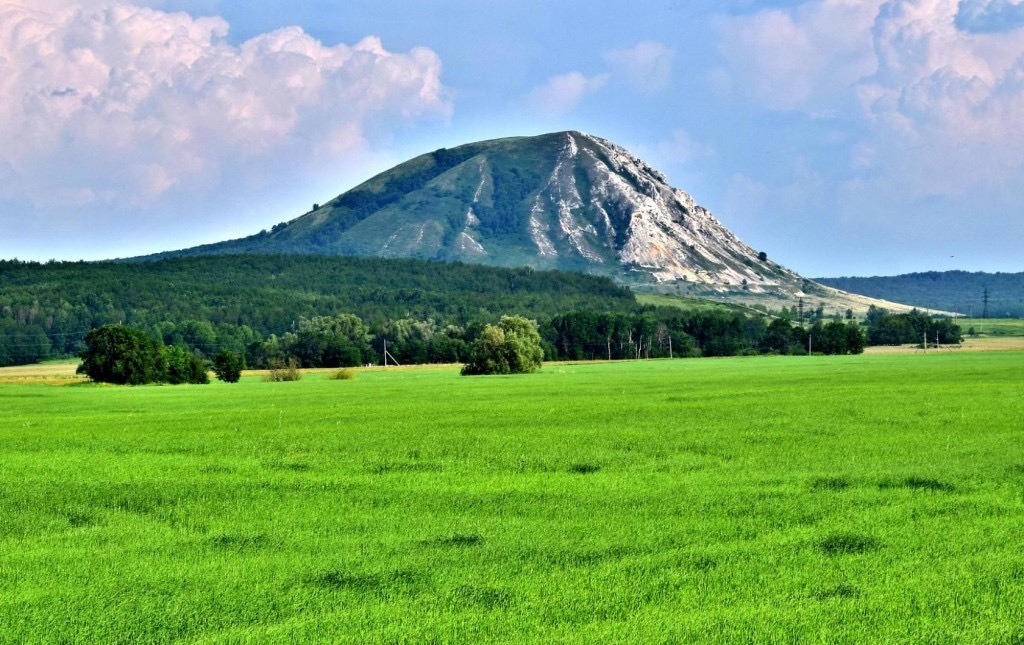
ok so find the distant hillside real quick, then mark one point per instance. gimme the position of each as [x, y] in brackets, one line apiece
[46, 309]
[958, 291]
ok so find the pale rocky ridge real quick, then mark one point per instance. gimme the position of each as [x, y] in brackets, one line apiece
[565, 200]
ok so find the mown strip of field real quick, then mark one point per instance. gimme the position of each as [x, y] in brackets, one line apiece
[834, 499]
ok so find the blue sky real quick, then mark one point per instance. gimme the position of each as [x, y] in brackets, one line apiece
[842, 137]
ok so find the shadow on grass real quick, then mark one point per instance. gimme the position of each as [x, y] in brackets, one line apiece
[486, 597]
[847, 544]
[455, 541]
[838, 591]
[401, 581]
[239, 542]
[405, 467]
[829, 483]
[918, 483]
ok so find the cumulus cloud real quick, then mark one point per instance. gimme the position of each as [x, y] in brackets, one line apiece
[123, 105]
[987, 16]
[647, 66]
[561, 94]
[940, 106]
[789, 58]
[679, 148]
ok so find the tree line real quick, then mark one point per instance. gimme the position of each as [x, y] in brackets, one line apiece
[229, 302]
[338, 312]
[970, 294]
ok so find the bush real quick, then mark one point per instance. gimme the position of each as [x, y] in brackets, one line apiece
[283, 370]
[345, 374]
[228, 366]
[184, 367]
[511, 347]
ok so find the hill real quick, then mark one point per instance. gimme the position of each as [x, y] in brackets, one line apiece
[565, 200]
[956, 291]
[46, 309]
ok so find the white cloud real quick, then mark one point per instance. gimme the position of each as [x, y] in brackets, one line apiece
[940, 107]
[124, 105]
[680, 148]
[787, 59]
[990, 15]
[647, 66]
[561, 94]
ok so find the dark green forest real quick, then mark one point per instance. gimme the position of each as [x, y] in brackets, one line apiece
[955, 291]
[210, 303]
[327, 311]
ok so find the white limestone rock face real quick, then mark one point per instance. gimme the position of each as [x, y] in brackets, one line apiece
[630, 215]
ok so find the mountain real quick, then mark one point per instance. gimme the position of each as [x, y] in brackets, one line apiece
[957, 291]
[566, 200]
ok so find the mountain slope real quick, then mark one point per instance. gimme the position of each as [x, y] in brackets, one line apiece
[959, 291]
[565, 200]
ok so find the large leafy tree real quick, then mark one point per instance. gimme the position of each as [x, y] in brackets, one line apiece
[511, 347]
[122, 355]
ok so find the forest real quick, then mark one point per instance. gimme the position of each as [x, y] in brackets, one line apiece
[341, 311]
[975, 295]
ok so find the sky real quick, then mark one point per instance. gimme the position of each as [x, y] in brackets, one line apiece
[840, 137]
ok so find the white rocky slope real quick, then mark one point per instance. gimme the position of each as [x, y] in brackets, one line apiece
[629, 215]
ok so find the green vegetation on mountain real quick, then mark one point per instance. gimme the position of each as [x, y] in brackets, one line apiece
[230, 302]
[428, 194]
[956, 291]
[340, 311]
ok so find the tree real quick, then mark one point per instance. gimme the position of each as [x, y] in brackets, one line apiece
[228, 366]
[184, 367]
[331, 341]
[511, 347]
[121, 355]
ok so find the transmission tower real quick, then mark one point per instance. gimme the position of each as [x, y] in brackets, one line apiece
[984, 301]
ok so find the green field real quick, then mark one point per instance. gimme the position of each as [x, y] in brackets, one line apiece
[873, 498]
[993, 326]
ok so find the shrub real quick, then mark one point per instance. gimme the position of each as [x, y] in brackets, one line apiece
[228, 366]
[511, 347]
[283, 370]
[345, 374]
[184, 367]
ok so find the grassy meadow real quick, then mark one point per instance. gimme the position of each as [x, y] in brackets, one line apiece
[873, 498]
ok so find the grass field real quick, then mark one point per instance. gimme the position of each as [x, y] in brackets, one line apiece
[873, 498]
[993, 326]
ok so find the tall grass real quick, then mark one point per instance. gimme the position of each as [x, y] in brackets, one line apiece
[843, 499]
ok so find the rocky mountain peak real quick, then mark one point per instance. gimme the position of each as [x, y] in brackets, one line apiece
[565, 200]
